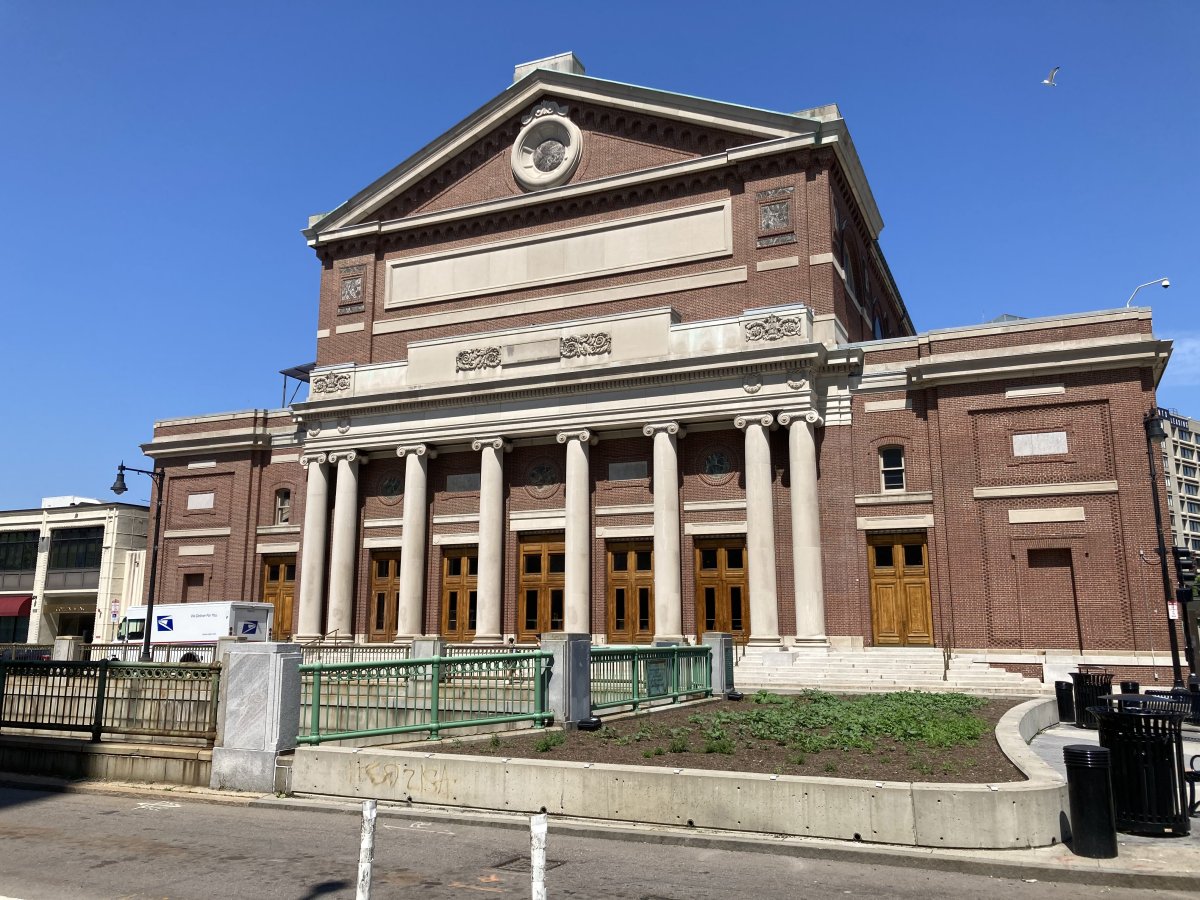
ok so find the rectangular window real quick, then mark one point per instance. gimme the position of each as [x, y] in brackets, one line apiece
[1041, 443]
[201, 501]
[1189, 471]
[283, 506]
[1191, 490]
[462, 482]
[628, 471]
[18, 551]
[891, 468]
[76, 548]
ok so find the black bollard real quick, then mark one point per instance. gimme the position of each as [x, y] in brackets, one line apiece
[1065, 693]
[1089, 786]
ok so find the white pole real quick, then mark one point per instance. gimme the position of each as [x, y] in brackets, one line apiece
[537, 854]
[366, 851]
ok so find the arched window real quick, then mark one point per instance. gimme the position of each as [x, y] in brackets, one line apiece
[283, 506]
[877, 325]
[891, 468]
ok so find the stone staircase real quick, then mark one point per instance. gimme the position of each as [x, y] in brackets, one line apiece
[879, 669]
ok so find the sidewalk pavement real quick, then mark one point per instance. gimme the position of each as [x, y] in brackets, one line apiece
[1148, 863]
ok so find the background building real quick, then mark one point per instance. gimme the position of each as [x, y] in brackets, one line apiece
[68, 568]
[1181, 472]
[612, 360]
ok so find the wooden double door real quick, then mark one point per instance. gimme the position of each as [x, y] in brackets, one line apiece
[722, 589]
[279, 589]
[901, 609]
[541, 587]
[629, 593]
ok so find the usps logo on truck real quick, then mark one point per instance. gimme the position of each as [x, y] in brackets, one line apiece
[249, 628]
[164, 623]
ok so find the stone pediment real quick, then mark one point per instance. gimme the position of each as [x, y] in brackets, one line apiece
[552, 131]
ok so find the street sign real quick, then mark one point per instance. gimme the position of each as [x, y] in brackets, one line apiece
[114, 610]
[1172, 610]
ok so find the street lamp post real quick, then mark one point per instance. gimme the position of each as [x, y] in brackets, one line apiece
[1155, 433]
[119, 488]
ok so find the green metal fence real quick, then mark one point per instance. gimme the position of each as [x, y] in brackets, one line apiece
[362, 700]
[632, 676]
[106, 697]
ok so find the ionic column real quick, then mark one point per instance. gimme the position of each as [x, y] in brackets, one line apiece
[410, 618]
[312, 552]
[491, 537]
[577, 611]
[806, 528]
[339, 621]
[760, 529]
[668, 590]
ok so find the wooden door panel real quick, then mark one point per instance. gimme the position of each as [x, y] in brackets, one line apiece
[889, 630]
[541, 588]
[630, 592]
[918, 624]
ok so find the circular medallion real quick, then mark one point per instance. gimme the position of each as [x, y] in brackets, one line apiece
[546, 151]
[542, 478]
[389, 489]
[717, 465]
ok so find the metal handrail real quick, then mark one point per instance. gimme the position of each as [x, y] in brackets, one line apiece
[349, 701]
[634, 675]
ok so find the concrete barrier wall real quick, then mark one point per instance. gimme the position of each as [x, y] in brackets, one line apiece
[1005, 815]
[73, 759]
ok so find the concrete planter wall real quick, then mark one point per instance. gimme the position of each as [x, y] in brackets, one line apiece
[1005, 815]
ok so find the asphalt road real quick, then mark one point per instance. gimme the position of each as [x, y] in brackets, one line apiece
[88, 847]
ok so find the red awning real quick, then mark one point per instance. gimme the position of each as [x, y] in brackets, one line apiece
[15, 604]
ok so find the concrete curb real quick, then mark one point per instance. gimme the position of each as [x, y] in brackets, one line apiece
[1005, 815]
[1058, 865]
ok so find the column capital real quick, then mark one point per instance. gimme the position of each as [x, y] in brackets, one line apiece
[496, 443]
[808, 417]
[672, 428]
[583, 435]
[416, 450]
[336, 456]
[318, 458]
[766, 420]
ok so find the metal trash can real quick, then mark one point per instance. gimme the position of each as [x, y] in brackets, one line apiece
[1089, 788]
[1146, 746]
[1130, 687]
[1089, 688]
[1066, 701]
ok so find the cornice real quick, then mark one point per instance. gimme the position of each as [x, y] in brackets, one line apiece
[1024, 361]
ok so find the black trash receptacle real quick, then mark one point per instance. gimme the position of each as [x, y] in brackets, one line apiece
[1066, 701]
[1089, 788]
[1149, 792]
[1130, 687]
[1089, 688]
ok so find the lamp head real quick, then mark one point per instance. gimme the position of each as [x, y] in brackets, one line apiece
[118, 486]
[1154, 429]
[1166, 282]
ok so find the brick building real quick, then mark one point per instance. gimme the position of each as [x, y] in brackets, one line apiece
[613, 360]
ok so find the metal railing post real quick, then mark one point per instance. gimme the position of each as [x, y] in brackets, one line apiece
[675, 663]
[636, 694]
[101, 691]
[544, 668]
[314, 716]
[434, 697]
[3, 682]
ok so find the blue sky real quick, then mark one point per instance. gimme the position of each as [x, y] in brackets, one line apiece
[160, 160]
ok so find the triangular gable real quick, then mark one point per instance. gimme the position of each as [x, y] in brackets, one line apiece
[754, 124]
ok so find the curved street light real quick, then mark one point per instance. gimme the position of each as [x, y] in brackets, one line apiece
[119, 488]
[1165, 282]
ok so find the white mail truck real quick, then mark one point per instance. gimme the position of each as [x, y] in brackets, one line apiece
[198, 623]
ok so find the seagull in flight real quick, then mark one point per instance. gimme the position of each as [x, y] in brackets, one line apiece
[1049, 79]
